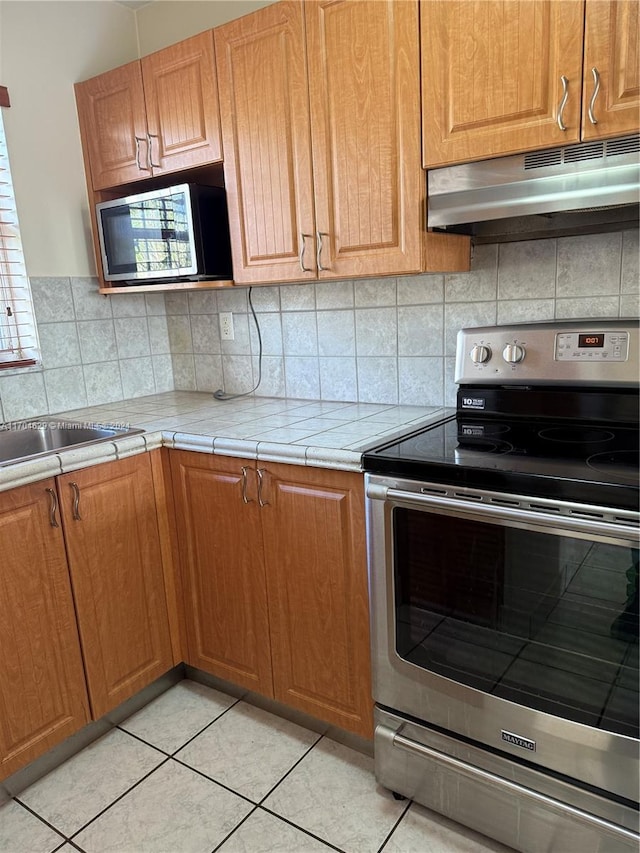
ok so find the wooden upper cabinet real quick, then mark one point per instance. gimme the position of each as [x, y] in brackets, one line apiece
[153, 116]
[43, 697]
[113, 547]
[222, 563]
[612, 48]
[181, 95]
[266, 131]
[113, 126]
[320, 117]
[314, 537]
[364, 85]
[492, 76]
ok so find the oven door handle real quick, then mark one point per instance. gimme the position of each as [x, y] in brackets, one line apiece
[410, 745]
[589, 524]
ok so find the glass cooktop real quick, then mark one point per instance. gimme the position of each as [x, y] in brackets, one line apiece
[586, 463]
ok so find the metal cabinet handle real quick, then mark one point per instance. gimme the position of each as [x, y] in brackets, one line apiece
[596, 89]
[142, 168]
[261, 472]
[153, 165]
[76, 502]
[319, 236]
[245, 499]
[565, 97]
[53, 508]
[303, 237]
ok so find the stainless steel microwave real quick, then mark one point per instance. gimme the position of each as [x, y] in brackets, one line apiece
[178, 233]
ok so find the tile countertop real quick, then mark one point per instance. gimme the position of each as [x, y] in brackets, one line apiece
[300, 432]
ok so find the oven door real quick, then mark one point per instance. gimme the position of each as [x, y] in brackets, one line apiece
[511, 622]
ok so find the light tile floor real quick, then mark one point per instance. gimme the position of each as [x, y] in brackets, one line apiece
[198, 771]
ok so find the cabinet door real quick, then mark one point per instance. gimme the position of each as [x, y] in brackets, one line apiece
[111, 531]
[491, 76]
[181, 95]
[43, 697]
[221, 554]
[612, 48]
[364, 86]
[113, 124]
[264, 110]
[314, 539]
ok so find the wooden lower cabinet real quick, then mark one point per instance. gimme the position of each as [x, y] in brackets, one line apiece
[274, 575]
[314, 540]
[221, 555]
[113, 547]
[43, 698]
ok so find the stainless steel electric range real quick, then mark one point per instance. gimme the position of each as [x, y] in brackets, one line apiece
[503, 557]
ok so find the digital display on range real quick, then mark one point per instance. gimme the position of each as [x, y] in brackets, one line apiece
[593, 340]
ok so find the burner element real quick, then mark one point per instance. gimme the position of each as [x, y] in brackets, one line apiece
[623, 463]
[576, 435]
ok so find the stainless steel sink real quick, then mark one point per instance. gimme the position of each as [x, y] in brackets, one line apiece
[29, 439]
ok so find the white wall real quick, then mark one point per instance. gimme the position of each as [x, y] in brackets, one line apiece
[168, 21]
[46, 47]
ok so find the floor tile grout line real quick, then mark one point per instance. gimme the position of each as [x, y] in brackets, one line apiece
[187, 742]
[75, 845]
[211, 779]
[302, 829]
[117, 799]
[167, 757]
[145, 742]
[204, 729]
[291, 769]
[65, 838]
[394, 827]
[121, 727]
[229, 834]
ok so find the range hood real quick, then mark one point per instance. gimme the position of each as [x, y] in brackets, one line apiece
[579, 189]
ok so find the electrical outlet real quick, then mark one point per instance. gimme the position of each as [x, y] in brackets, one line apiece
[226, 326]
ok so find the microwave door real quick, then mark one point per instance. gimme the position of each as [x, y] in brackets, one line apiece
[148, 238]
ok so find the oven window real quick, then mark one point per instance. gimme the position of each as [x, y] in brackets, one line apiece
[550, 622]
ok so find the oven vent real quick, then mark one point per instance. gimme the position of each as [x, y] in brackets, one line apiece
[541, 159]
[626, 145]
[538, 506]
[586, 151]
[583, 152]
[583, 513]
[505, 502]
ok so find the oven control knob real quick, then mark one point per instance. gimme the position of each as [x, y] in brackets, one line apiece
[480, 354]
[513, 353]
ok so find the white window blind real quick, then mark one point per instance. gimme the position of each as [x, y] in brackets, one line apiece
[18, 337]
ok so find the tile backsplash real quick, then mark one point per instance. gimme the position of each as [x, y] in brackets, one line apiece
[388, 340]
[95, 349]
[392, 340]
